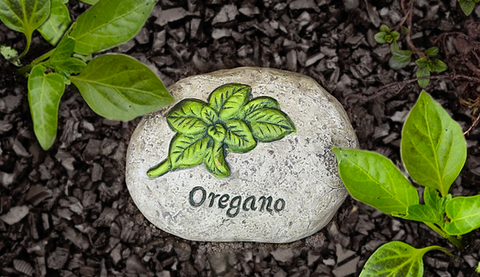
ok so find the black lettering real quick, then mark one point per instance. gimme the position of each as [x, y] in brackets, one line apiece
[234, 204]
[252, 205]
[213, 196]
[269, 205]
[222, 201]
[192, 194]
[281, 201]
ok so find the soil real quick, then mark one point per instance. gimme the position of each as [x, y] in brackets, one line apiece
[67, 211]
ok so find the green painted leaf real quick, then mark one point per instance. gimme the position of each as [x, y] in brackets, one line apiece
[57, 23]
[433, 147]
[227, 100]
[120, 87]
[185, 117]
[110, 23]
[160, 169]
[397, 259]
[269, 124]
[61, 60]
[239, 138]
[187, 151]
[24, 16]
[44, 93]
[217, 132]
[375, 180]
[256, 104]
[464, 215]
[209, 115]
[467, 6]
[214, 159]
[423, 72]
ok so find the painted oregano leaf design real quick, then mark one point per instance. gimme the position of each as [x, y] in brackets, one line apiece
[230, 122]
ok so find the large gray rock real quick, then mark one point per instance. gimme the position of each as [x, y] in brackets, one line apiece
[279, 192]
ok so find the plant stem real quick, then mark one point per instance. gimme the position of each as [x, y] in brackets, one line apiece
[458, 243]
[24, 70]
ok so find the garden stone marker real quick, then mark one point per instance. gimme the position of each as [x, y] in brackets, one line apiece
[243, 155]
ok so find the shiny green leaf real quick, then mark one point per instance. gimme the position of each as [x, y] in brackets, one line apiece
[380, 37]
[432, 211]
[120, 87]
[463, 214]
[187, 151]
[256, 104]
[438, 66]
[227, 100]
[373, 179]
[90, 2]
[433, 147]
[269, 124]
[400, 58]
[214, 159]
[44, 93]
[110, 23]
[239, 138]
[397, 259]
[24, 16]
[423, 72]
[57, 23]
[384, 28]
[185, 117]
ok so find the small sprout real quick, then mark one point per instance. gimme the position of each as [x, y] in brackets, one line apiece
[386, 36]
[400, 58]
[426, 66]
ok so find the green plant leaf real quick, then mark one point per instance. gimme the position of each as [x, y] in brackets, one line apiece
[397, 259]
[433, 147]
[9, 53]
[423, 72]
[384, 28]
[422, 213]
[464, 215]
[256, 104]
[209, 115]
[405, 30]
[110, 23]
[400, 58]
[239, 138]
[24, 16]
[467, 6]
[269, 124]
[214, 159]
[120, 87]
[217, 132]
[61, 60]
[373, 179]
[185, 117]
[90, 2]
[431, 52]
[422, 62]
[438, 66]
[57, 23]
[44, 93]
[187, 151]
[227, 100]
[380, 37]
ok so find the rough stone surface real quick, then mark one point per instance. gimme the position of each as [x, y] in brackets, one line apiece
[300, 168]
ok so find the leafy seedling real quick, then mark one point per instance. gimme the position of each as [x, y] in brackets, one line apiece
[433, 150]
[230, 121]
[115, 86]
[467, 5]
